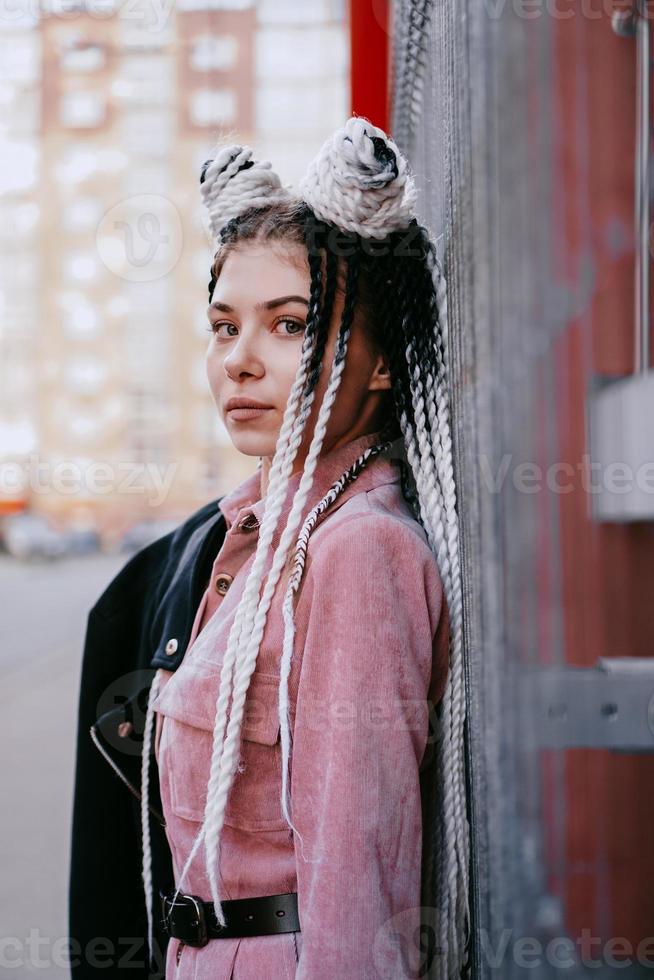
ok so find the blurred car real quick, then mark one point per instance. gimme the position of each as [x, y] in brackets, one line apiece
[31, 536]
[143, 533]
[81, 541]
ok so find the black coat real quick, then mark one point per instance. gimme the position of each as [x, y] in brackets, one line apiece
[152, 600]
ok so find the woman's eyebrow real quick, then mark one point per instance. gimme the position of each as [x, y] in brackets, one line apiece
[270, 304]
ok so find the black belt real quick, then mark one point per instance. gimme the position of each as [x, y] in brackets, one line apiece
[194, 921]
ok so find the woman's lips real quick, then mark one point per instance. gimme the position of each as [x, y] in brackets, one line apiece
[245, 414]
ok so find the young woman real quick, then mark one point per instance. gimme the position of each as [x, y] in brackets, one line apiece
[316, 820]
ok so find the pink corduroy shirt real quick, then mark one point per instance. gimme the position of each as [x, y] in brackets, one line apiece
[370, 660]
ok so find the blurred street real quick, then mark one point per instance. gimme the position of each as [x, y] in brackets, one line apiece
[45, 605]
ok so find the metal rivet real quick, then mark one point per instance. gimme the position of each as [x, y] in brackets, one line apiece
[249, 917]
[249, 523]
[280, 912]
[223, 582]
[171, 646]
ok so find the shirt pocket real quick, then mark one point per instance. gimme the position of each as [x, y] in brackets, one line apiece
[188, 700]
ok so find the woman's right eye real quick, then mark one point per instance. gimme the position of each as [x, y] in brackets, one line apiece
[215, 327]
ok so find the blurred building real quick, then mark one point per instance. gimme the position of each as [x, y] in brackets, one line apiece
[105, 412]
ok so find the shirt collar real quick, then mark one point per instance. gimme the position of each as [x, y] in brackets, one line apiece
[382, 469]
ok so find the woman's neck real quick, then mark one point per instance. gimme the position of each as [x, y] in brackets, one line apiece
[298, 463]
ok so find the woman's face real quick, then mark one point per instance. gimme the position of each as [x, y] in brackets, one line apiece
[258, 318]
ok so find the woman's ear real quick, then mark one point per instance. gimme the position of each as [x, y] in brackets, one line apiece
[380, 379]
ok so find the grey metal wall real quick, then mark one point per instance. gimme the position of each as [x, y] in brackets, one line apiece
[472, 85]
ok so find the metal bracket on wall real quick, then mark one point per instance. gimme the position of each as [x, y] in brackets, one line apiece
[608, 706]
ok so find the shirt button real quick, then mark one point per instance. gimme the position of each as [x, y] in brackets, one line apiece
[171, 647]
[223, 582]
[249, 523]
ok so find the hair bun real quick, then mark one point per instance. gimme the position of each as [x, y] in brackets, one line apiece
[360, 182]
[232, 181]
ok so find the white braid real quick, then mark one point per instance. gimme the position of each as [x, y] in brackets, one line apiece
[289, 620]
[357, 188]
[452, 837]
[146, 873]
[247, 663]
[285, 451]
[228, 191]
[360, 182]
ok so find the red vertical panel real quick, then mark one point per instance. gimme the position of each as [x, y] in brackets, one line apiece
[606, 872]
[369, 44]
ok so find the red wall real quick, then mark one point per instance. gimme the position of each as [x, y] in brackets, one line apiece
[601, 861]
[369, 52]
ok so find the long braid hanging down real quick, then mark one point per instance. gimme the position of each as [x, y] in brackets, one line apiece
[360, 156]
[359, 184]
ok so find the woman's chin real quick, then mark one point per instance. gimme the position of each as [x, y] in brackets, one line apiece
[252, 443]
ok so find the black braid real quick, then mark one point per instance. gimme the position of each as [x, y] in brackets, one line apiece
[349, 304]
[322, 333]
[383, 271]
[316, 321]
[423, 312]
[384, 280]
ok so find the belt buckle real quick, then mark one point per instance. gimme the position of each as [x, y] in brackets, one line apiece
[189, 920]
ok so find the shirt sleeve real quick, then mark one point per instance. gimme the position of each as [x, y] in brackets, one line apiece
[373, 654]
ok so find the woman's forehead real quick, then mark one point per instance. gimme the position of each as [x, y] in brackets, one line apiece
[260, 272]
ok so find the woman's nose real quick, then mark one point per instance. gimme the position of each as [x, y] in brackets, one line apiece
[243, 358]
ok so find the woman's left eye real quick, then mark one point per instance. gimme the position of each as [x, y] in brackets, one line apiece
[297, 326]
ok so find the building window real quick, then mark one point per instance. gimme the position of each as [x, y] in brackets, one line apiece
[85, 375]
[210, 53]
[337, 9]
[292, 13]
[147, 132]
[79, 267]
[79, 56]
[82, 110]
[188, 5]
[82, 214]
[83, 323]
[20, 60]
[212, 107]
[145, 81]
[20, 165]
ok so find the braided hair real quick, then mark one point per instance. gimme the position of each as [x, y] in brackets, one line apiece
[355, 216]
